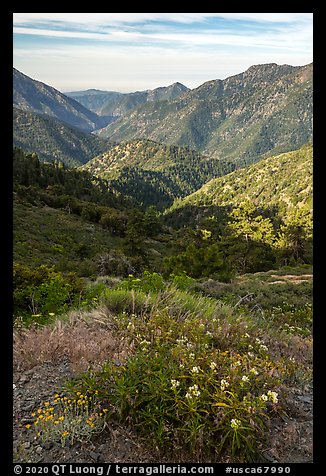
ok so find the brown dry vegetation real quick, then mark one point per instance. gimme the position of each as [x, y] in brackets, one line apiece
[83, 338]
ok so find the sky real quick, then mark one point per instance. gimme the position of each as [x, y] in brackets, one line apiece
[129, 52]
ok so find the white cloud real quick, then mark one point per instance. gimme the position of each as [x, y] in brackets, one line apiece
[60, 33]
[121, 18]
[286, 37]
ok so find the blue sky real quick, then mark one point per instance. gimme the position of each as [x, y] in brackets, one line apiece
[137, 51]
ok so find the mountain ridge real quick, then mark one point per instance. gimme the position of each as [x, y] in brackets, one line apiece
[264, 109]
[115, 104]
[35, 96]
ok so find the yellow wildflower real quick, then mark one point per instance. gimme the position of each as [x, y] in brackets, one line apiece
[28, 426]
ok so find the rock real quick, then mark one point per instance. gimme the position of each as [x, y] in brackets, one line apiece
[48, 446]
[95, 456]
[28, 421]
[128, 443]
[24, 378]
[306, 399]
[39, 450]
[27, 445]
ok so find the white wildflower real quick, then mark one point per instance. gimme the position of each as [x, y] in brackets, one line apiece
[195, 370]
[174, 383]
[224, 384]
[272, 396]
[193, 391]
[235, 423]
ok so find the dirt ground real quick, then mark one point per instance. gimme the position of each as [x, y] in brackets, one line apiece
[290, 438]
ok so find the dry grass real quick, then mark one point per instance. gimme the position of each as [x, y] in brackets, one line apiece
[84, 339]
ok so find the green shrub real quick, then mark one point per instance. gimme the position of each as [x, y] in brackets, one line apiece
[193, 383]
[42, 292]
[149, 282]
[181, 281]
[154, 282]
[122, 300]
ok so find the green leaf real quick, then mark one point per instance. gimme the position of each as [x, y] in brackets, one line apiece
[220, 404]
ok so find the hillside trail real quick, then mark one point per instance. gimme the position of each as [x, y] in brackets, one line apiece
[290, 438]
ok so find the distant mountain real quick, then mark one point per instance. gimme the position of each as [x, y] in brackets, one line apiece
[34, 96]
[266, 109]
[283, 182]
[155, 174]
[113, 104]
[54, 140]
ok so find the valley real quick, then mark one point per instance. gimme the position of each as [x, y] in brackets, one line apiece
[163, 250]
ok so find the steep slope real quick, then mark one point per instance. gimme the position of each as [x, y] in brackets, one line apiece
[114, 105]
[283, 181]
[153, 173]
[34, 96]
[268, 108]
[54, 140]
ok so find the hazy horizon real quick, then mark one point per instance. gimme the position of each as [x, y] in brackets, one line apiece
[128, 52]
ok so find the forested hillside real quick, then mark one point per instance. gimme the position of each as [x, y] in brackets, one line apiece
[282, 182]
[54, 140]
[253, 219]
[153, 173]
[231, 233]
